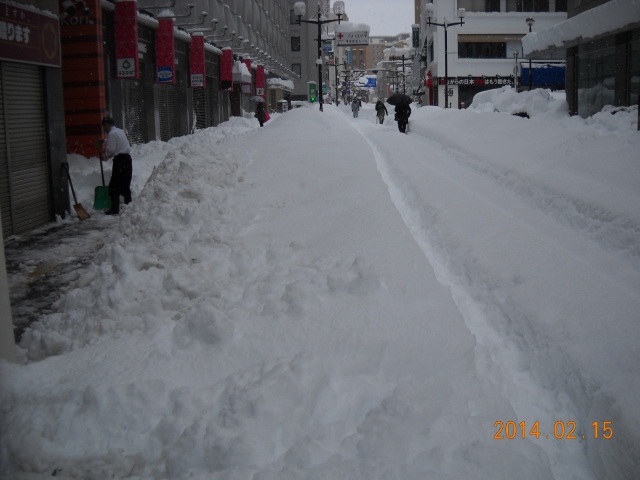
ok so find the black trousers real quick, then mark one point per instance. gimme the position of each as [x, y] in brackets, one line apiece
[120, 183]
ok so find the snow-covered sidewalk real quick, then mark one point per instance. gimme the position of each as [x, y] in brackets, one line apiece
[327, 298]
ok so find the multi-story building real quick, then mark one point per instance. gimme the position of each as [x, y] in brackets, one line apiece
[601, 41]
[375, 51]
[304, 47]
[484, 52]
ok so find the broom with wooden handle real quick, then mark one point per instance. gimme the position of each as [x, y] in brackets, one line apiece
[82, 213]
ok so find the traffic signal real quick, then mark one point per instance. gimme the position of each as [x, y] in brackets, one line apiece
[313, 92]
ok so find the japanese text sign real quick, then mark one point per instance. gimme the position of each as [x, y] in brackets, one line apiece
[29, 36]
[126, 39]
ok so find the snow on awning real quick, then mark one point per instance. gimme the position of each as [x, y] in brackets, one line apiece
[286, 85]
[606, 18]
[241, 73]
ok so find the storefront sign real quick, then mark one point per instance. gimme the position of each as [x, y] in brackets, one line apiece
[165, 52]
[260, 80]
[29, 37]
[196, 61]
[350, 34]
[415, 36]
[352, 38]
[498, 81]
[226, 69]
[126, 39]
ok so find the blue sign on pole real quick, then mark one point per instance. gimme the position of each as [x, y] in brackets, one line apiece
[371, 82]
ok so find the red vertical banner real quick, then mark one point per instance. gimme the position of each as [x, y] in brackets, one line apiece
[246, 87]
[126, 39]
[226, 69]
[260, 90]
[165, 53]
[429, 84]
[83, 72]
[196, 60]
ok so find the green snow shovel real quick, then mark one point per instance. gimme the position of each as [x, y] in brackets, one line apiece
[102, 200]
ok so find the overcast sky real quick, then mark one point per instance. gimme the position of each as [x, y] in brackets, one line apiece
[385, 17]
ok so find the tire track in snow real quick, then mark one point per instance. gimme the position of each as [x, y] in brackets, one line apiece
[508, 341]
[609, 230]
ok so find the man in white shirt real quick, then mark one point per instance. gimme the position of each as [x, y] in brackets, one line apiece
[118, 147]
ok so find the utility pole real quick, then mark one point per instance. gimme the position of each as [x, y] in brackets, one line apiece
[300, 9]
[430, 9]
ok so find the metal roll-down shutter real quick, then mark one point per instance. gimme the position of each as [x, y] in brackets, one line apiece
[24, 166]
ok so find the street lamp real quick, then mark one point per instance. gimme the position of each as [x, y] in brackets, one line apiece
[430, 10]
[300, 10]
[530, 21]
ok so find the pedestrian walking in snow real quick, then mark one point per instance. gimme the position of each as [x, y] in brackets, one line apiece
[260, 113]
[118, 148]
[355, 107]
[403, 112]
[381, 111]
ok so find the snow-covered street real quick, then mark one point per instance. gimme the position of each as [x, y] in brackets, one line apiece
[326, 297]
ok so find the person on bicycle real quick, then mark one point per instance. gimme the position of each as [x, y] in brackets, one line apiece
[381, 111]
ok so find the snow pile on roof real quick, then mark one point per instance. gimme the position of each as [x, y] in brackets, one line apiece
[212, 48]
[363, 79]
[398, 51]
[347, 27]
[166, 13]
[281, 82]
[179, 33]
[606, 18]
[241, 68]
[507, 100]
[33, 8]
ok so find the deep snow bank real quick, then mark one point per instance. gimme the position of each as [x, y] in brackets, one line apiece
[259, 313]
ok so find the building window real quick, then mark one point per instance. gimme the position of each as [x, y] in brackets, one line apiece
[293, 19]
[480, 5]
[297, 68]
[482, 49]
[295, 44]
[634, 78]
[527, 5]
[596, 82]
[561, 5]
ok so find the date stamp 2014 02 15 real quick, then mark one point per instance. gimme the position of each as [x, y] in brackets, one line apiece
[561, 430]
